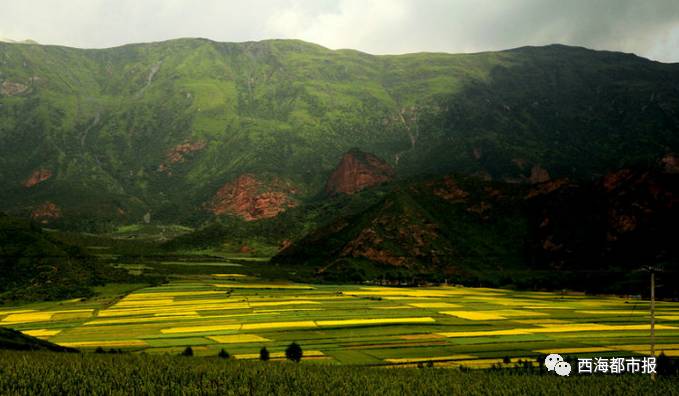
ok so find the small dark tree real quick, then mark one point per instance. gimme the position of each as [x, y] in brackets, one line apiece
[294, 352]
[99, 350]
[223, 354]
[263, 354]
[506, 360]
[188, 351]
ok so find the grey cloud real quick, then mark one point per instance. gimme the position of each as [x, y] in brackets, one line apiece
[648, 28]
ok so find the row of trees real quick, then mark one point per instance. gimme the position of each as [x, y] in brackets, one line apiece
[293, 352]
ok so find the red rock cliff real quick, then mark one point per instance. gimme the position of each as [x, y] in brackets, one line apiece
[251, 199]
[38, 176]
[357, 171]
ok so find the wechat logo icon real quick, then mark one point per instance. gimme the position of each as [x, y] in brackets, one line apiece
[554, 362]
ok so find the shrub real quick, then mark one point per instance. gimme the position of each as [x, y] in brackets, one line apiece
[188, 351]
[264, 354]
[223, 354]
[294, 352]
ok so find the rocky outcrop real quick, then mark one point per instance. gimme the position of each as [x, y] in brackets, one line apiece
[46, 212]
[179, 154]
[450, 191]
[670, 163]
[538, 175]
[357, 171]
[253, 199]
[10, 88]
[38, 176]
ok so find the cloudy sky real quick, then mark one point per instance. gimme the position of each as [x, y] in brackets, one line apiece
[646, 27]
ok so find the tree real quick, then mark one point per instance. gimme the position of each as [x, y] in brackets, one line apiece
[294, 352]
[223, 354]
[99, 350]
[263, 354]
[188, 351]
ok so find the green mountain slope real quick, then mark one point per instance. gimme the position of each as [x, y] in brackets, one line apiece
[96, 137]
[34, 266]
[593, 236]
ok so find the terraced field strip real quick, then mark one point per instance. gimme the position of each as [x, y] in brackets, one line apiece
[201, 329]
[103, 343]
[563, 351]
[358, 322]
[430, 359]
[560, 328]
[42, 333]
[262, 286]
[238, 338]
[280, 355]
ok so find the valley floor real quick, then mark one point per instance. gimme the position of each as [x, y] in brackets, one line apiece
[349, 324]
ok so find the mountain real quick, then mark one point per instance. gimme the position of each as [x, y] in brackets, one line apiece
[35, 266]
[187, 130]
[592, 236]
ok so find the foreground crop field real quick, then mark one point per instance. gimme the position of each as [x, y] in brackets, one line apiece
[450, 326]
[94, 374]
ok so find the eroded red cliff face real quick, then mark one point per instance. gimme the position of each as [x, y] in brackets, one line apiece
[670, 163]
[357, 171]
[253, 199]
[38, 176]
[179, 154]
[45, 212]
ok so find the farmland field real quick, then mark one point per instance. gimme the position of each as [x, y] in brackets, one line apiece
[350, 324]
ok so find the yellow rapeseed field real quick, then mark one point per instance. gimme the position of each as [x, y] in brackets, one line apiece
[42, 332]
[238, 338]
[278, 325]
[139, 320]
[112, 344]
[286, 310]
[28, 317]
[170, 309]
[475, 315]
[278, 303]
[16, 311]
[435, 305]
[161, 295]
[554, 328]
[668, 317]
[351, 322]
[201, 329]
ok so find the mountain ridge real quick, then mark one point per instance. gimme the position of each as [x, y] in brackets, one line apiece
[106, 124]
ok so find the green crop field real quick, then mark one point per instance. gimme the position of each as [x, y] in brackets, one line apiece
[350, 324]
[95, 374]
